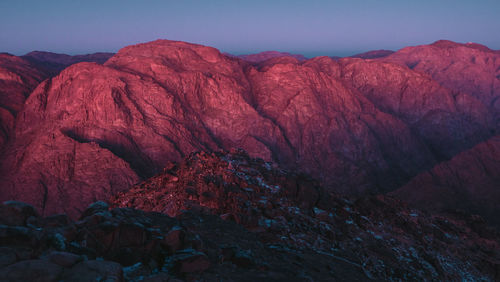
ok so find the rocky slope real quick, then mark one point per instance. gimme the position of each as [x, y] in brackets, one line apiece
[131, 245]
[448, 121]
[20, 75]
[18, 78]
[359, 126]
[470, 68]
[379, 235]
[470, 181]
[244, 219]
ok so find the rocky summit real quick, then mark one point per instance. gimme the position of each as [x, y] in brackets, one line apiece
[226, 216]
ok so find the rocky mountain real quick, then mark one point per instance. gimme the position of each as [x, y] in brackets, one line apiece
[469, 68]
[358, 126]
[54, 62]
[266, 55]
[240, 218]
[20, 75]
[18, 78]
[470, 181]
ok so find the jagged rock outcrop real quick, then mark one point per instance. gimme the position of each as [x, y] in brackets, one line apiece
[379, 236]
[470, 182]
[358, 126]
[266, 55]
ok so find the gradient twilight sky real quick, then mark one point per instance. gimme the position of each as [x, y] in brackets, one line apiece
[314, 27]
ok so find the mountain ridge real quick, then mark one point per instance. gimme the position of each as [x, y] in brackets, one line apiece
[359, 126]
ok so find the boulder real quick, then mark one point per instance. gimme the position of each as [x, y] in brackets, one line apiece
[31, 270]
[94, 270]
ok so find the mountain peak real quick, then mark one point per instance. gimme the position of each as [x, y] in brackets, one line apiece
[452, 44]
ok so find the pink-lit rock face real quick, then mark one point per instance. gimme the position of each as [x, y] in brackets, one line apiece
[467, 68]
[358, 126]
[20, 75]
[470, 181]
[449, 121]
[18, 78]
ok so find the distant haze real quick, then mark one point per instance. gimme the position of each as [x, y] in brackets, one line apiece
[310, 27]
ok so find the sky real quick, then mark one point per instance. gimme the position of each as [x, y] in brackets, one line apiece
[311, 28]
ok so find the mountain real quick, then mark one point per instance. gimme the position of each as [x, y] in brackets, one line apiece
[18, 78]
[373, 54]
[243, 219]
[467, 68]
[20, 75]
[350, 169]
[54, 62]
[266, 55]
[358, 126]
[470, 181]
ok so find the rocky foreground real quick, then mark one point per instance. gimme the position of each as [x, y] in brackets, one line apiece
[238, 218]
[241, 219]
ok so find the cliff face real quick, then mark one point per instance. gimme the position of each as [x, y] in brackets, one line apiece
[359, 126]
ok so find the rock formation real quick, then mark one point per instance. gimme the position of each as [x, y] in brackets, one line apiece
[359, 126]
[18, 78]
[380, 235]
[469, 68]
[20, 75]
